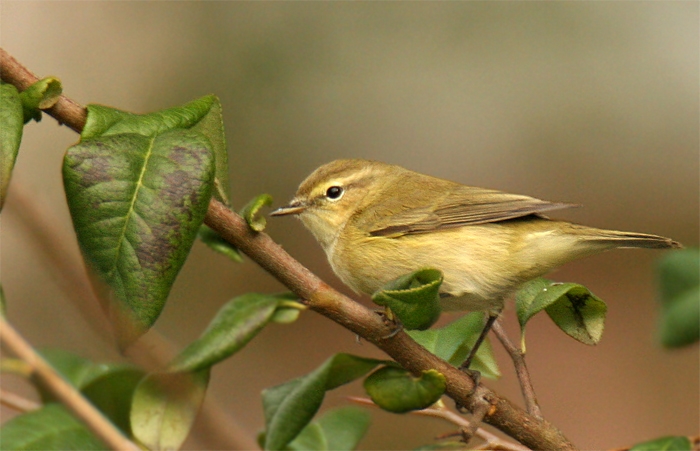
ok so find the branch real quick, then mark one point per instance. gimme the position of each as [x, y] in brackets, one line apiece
[68, 395]
[493, 442]
[17, 402]
[520, 370]
[531, 431]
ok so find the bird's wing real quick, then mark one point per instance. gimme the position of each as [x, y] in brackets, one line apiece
[461, 206]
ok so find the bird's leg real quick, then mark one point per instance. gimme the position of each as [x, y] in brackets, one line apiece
[487, 327]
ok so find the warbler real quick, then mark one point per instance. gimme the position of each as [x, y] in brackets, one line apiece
[377, 222]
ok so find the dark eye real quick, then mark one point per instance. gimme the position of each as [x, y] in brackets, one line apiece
[334, 192]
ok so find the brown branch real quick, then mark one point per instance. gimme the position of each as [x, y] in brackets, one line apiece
[68, 395]
[520, 370]
[493, 442]
[531, 431]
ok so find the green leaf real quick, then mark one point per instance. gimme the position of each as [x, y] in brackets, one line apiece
[679, 281]
[39, 96]
[212, 239]
[664, 444]
[11, 124]
[338, 430]
[50, 428]
[251, 209]
[397, 390]
[202, 116]
[236, 323]
[289, 407]
[572, 307]
[454, 341]
[414, 298]
[680, 320]
[164, 408]
[679, 271]
[137, 203]
[108, 386]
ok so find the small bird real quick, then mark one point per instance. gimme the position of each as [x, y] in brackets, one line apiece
[377, 222]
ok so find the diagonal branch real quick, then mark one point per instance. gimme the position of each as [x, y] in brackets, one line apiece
[531, 431]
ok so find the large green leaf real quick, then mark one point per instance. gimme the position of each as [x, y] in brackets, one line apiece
[340, 429]
[572, 307]
[414, 298]
[137, 203]
[236, 323]
[289, 407]
[50, 428]
[203, 116]
[454, 341]
[679, 280]
[11, 124]
[396, 390]
[165, 406]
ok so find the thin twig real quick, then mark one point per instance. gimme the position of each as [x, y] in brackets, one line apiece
[321, 298]
[17, 402]
[493, 442]
[520, 370]
[70, 397]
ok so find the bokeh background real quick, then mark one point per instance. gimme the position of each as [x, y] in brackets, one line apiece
[593, 103]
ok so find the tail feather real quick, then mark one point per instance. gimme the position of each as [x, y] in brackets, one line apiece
[631, 239]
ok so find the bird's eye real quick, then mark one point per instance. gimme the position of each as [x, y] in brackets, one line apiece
[334, 192]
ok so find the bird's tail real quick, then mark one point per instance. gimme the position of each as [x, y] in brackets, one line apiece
[614, 238]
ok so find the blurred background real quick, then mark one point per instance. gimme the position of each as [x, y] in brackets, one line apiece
[594, 103]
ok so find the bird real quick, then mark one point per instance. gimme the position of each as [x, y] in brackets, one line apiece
[377, 222]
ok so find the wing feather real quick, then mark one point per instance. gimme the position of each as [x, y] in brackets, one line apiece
[461, 206]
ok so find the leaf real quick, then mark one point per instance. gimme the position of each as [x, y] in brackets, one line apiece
[11, 124]
[50, 428]
[289, 407]
[414, 298]
[212, 239]
[250, 212]
[108, 386]
[137, 203]
[572, 307]
[664, 444]
[679, 271]
[680, 320]
[454, 341]
[338, 430]
[202, 116]
[236, 323]
[39, 96]
[679, 282]
[397, 390]
[164, 408]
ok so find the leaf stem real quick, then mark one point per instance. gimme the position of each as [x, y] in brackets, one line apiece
[68, 395]
[17, 402]
[521, 370]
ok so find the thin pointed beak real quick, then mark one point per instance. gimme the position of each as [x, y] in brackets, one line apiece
[294, 208]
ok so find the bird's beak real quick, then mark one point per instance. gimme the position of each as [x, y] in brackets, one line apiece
[294, 208]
